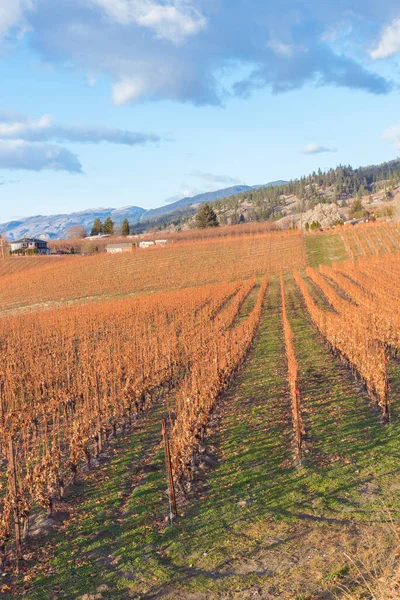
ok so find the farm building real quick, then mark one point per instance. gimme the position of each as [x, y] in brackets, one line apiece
[99, 236]
[29, 246]
[149, 244]
[117, 248]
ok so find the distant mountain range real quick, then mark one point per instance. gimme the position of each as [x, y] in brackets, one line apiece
[55, 226]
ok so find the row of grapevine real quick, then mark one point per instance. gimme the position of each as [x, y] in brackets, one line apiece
[293, 375]
[373, 287]
[70, 379]
[350, 341]
[207, 380]
[370, 240]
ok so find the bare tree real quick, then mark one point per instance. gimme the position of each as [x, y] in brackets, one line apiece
[75, 231]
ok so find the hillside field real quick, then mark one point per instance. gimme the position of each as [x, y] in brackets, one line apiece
[273, 358]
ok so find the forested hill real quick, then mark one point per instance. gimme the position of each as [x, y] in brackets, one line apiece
[273, 201]
[180, 205]
[335, 185]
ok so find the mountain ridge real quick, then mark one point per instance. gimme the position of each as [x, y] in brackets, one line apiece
[55, 226]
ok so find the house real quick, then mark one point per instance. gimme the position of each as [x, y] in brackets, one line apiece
[29, 246]
[161, 242]
[146, 244]
[117, 248]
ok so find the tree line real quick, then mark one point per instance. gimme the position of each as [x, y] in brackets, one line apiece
[334, 185]
[108, 227]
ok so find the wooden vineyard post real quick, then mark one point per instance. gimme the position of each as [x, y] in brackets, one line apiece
[15, 499]
[2, 415]
[386, 408]
[299, 436]
[171, 487]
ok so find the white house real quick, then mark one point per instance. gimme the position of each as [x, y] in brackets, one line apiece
[118, 248]
[29, 246]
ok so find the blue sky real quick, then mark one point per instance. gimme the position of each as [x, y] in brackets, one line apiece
[134, 102]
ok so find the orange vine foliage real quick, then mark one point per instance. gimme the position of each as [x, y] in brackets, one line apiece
[180, 265]
[349, 339]
[208, 379]
[373, 286]
[371, 239]
[71, 378]
[17, 264]
[293, 373]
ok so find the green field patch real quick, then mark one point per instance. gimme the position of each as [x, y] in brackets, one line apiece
[324, 249]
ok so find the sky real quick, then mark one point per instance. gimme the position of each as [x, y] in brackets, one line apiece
[110, 103]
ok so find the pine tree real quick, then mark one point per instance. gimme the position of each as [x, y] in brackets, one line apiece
[125, 227]
[97, 227]
[356, 206]
[108, 226]
[206, 217]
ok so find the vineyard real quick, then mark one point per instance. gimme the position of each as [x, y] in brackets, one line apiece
[17, 264]
[214, 419]
[179, 265]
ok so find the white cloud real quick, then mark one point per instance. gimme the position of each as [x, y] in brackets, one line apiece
[392, 134]
[315, 149]
[24, 142]
[389, 43]
[281, 49]
[128, 89]
[12, 14]
[174, 21]
[18, 154]
[18, 127]
[14, 129]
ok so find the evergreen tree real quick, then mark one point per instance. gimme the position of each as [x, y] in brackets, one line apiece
[356, 206]
[206, 217]
[97, 227]
[125, 227]
[108, 226]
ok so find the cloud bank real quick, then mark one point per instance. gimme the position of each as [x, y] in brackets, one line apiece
[15, 126]
[24, 142]
[182, 49]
